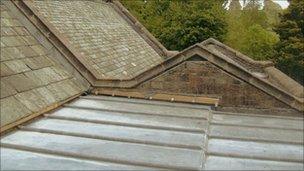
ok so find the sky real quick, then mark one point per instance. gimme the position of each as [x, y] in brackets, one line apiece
[283, 3]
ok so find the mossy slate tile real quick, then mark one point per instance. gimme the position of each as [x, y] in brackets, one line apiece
[5, 71]
[17, 66]
[6, 89]
[31, 100]
[38, 62]
[12, 110]
[20, 82]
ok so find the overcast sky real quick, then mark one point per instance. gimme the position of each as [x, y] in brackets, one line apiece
[284, 4]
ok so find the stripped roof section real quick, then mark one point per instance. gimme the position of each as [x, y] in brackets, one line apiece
[109, 45]
[31, 80]
[91, 133]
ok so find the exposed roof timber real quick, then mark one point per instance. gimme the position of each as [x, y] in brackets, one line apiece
[159, 96]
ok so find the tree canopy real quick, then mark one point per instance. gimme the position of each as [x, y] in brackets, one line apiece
[179, 24]
[254, 28]
[289, 54]
[249, 30]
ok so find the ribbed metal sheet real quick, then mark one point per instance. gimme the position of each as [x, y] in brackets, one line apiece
[110, 133]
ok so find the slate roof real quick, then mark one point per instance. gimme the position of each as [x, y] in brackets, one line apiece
[98, 132]
[31, 80]
[87, 36]
[110, 48]
[110, 133]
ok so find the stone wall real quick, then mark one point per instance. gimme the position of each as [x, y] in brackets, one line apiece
[203, 78]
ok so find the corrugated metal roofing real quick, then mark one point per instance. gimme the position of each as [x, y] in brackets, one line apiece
[109, 133]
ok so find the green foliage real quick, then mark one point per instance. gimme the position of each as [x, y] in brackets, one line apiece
[181, 23]
[249, 31]
[289, 54]
[272, 11]
[259, 42]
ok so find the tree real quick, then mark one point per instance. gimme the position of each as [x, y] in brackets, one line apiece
[179, 24]
[272, 11]
[289, 54]
[235, 5]
[250, 32]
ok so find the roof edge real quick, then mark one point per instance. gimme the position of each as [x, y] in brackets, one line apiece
[141, 29]
[247, 59]
[236, 70]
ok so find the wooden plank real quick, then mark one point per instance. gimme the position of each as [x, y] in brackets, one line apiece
[159, 96]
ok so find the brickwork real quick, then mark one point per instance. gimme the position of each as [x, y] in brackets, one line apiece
[202, 77]
[110, 46]
[30, 79]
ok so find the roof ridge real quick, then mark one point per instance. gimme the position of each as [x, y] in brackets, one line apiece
[245, 58]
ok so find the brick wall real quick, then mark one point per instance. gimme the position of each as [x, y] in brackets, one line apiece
[201, 77]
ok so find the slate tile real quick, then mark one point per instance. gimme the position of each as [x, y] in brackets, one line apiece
[31, 100]
[39, 49]
[50, 74]
[38, 62]
[40, 76]
[5, 22]
[21, 31]
[12, 110]
[7, 31]
[61, 72]
[29, 40]
[68, 88]
[15, 22]
[57, 92]
[11, 53]
[6, 89]
[17, 66]
[47, 95]
[2, 45]
[33, 76]
[20, 82]
[4, 14]
[27, 51]
[11, 41]
[4, 56]
[5, 71]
